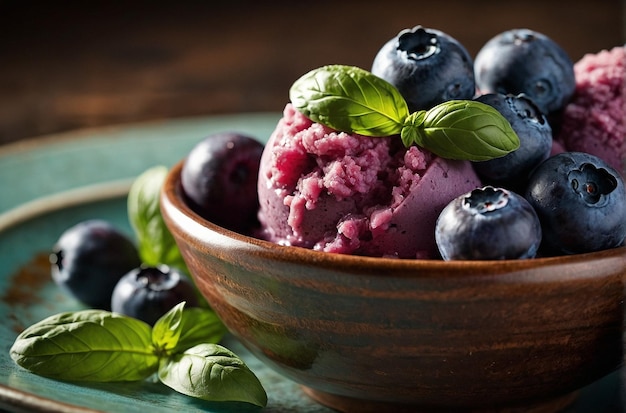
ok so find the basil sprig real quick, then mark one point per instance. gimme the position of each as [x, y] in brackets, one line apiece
[100, 346]
[353, 100]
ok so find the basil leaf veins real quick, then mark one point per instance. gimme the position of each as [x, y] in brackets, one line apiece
[97, 345]
[212, 372]
[199, 325]
[461, 129]
[167, 329]
[88, 345]
[349, 99]
[181, 328]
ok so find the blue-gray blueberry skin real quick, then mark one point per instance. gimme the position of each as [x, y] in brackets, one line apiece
[427, 66]
[531, 126]
[581, 203]
[148, 292]
[525, 61]
[219, 179]
[488, 223]
[89, 259]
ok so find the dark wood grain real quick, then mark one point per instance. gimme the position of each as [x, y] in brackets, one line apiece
[413, 335]
[71, 64]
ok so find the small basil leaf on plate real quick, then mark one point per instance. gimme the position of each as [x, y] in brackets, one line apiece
[212, 372]
[461, 129]
[167, 329]
[350, 99]
[199, 325]
[156, 243]
[88, 345]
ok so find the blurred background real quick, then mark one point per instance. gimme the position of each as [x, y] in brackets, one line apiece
[69, 64]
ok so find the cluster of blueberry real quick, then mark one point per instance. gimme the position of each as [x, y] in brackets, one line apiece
[536, 201]
[573, 203]
[101, 267]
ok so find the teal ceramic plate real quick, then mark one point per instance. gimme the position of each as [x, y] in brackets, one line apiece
[49, 184]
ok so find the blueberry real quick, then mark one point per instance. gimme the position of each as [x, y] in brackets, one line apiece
[219, 179]
[525, 61]
[488, 223]
[88, 260]
[427, 66]
[148, 292]
[535, 134]
[581, 202]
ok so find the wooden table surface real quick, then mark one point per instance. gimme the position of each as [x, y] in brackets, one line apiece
[74, 64]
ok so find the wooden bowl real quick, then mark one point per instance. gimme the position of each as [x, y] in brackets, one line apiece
[369, 334]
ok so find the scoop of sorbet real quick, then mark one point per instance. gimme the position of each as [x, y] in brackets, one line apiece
[595, 119]
[346, 193]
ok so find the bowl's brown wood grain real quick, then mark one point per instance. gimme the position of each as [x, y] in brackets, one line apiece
[466, 335]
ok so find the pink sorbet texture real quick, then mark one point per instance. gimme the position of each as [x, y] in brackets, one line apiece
[346, 193]
[595, 120]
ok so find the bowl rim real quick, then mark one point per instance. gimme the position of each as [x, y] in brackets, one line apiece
[174, 209]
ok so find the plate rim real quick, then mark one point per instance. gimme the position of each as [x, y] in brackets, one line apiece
[64, 199]
[15, 399]
[11, 397]
[27, 401]
[64, 136]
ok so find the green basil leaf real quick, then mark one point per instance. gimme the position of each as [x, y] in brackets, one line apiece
[350, 99]
[413, 128]
[199, 325]
[156, 243]
[212, 372]
[89, 345]
[462, 129]
[167, 329]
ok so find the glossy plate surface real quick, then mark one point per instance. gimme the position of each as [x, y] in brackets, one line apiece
[49, 184]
